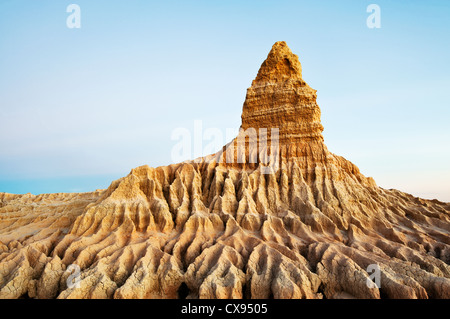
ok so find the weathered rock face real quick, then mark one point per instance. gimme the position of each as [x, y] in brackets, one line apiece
[312, 227]
[279, 98]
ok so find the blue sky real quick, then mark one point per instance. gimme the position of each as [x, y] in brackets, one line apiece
[82, 107]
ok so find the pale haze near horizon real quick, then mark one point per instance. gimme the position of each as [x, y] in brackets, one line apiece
[82, 107]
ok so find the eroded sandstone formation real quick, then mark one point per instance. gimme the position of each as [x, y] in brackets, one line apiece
[210, 228]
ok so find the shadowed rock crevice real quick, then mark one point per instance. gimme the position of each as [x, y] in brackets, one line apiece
[211, 228]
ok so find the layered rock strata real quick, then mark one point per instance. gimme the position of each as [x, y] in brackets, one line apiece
[312, 226]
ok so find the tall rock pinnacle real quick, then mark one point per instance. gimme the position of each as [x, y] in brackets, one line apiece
[279, 98]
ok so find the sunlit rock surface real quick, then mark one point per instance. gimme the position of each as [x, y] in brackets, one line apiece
[307, 227]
